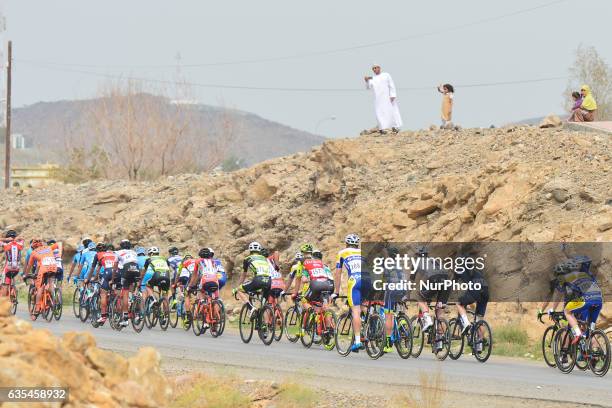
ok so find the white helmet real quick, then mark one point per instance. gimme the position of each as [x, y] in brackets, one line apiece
[153, 251]
[352, 239]
[212, 251]
[255, 246]
[298, 257]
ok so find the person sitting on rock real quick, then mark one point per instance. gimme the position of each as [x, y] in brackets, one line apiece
[577, 100]
[587, 109]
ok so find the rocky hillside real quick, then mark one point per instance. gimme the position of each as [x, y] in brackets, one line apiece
[509, 184]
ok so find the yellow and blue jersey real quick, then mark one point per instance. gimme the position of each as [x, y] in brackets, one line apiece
[349, 259]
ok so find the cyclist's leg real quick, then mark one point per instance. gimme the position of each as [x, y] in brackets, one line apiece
[39, 289]
[354, 299]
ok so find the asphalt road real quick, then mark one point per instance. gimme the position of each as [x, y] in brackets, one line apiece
[499, 377]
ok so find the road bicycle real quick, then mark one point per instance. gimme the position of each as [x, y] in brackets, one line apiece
[12, 295]
[549, 334]
[292, 320]
[157, 310]
[135, 310]
[208, 313]
[46, 306]
[437, 335]
[478, 337]
[260, 318]
[401, 332]
[279, 317]
[372, 330]
[591, 351]
[319, 323]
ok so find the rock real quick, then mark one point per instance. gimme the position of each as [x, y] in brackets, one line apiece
[112, 366]
[604, 223]
[78, 342]
[551, 121]
[422, 208]
[5, 307]
[560, 196]
[144, 369]
[588, 196]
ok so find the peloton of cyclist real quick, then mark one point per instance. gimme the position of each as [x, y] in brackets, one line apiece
[45, 269]
[314, 279]
[12, 247]
[102, 270]
[127, 271]
[349, 260]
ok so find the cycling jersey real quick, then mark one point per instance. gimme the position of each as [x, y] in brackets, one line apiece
[256, 264]
[45, 261]
[175, 261]
[126, 256]
[578, 284]
[28, 255]
[12, 255]
[188, 267]
[314, 270]
[295, 268]
[349, 259]
[141, 260]
[221, 275]
[86, 260]
[208, 271]
[159, 264]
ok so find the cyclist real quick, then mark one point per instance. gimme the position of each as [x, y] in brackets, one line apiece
[76, 259]
[187, 268]
[481, 296]
[45, 269]
[127, 270]
[349, 260]
[258, 266]
[314, 279]
[391, 297]
[161, 273]
[426, 273]
[12, 247]
[277, 286]
[221, 275]
[295, 267]
[174, 259]
[103, 266]
[317, 254]
[581, 292]
[86, 259]
[57, 249]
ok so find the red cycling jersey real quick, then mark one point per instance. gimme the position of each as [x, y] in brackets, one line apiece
[12, 254]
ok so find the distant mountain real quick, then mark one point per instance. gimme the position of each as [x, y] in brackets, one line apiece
[535, 121]
[46, 125]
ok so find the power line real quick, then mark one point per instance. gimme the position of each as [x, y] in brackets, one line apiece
[325, 52]
[283, 89]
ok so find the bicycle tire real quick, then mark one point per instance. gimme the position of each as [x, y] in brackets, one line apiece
[223, 317]
[456, 339]
[442, 353]
[418, 337]
[13, 295]
[48, 312]
[84, 308]
[197, 322]
[58, 310]
[95, 310]
[483, 355]
[375, 333]
[547, 345]
[164, 314]
[266, 324]
[217, 318]
[329, 339]
[76, 301]
[245, 324]
[345, 334]
[148, 312]
[604, 343]
[31, 299]
[403, 344]
[280, 322]
[309, 327]
[174, 312]
[291, 324]
[563, 348]
[136, 314]
[117, 314]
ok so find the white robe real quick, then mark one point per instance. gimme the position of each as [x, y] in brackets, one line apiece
[387, 112]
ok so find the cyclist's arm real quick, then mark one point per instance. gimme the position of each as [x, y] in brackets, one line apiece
[29, 265]
[337, 279]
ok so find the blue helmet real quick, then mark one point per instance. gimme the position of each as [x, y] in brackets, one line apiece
[91, 245]
[141, 251]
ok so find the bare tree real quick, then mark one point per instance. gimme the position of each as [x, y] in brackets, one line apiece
[590, 69]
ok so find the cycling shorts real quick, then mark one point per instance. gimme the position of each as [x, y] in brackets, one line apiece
[354, 290]
[210, 287]
[259, 283]
[9, 276]
[431, 295]
[222, 279]
[59, 275]
[316, 288]
[145, 279]
[161, 281]
[106, 279]
[275, 293]
[585, 308]
[183, 280]
[83, 273]
[480, 297]
[42, 277]
[129, 274]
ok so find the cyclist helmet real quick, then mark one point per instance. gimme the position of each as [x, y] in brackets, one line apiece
[317, 254]
[100, 246]
[173, 251]
[212, 251]
[36, 243]
[153, 251]
[11, 234]
[572, 265]
[86, 241]
[265, 252]
[560, 269]
[255, 246]
[141, 251]
[125, 244]
[186, 257]
[91, 246]
[352, 239]
[306, 249]
[51, 241]
[205, 253]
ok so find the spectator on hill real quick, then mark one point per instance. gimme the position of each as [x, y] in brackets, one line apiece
[588, 107]
[577, 100]
[448, 94]
[385, 101]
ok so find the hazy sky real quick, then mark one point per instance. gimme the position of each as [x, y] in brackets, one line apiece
[118, 37]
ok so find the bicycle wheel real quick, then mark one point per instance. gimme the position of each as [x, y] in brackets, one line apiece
[564, 351]
[221, 328]
[375, 334]
[48, 302]
[547, 345]
[441, 344]
[164, 314]
[246, 324]
[197, 326]
[137, 318]
[482, 341]
[58, 309]
[95, 310]
[457, 340]
[175, 308]
[31, 299]
[345, 335]
[217, 321]
[76, 301]
[117, 314]
[309, 327]
[291, 325]
[278, 331]
[149, 313]
[599, 353]
[329, 335]
[84, 307]
[403, 342]
[418, 337]
[266, 325]
[13, 297]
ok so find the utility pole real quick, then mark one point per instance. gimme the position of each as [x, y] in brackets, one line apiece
[7, 134]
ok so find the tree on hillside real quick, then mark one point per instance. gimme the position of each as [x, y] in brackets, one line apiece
[590, 69]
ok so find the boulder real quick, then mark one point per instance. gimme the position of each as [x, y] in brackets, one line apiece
[551, 121]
